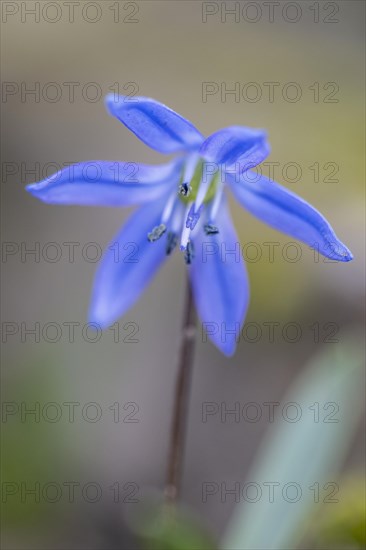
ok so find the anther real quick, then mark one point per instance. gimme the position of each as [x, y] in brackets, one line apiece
[211, 229]
[186, 229]
[189, 253]
[185, 189]
[171, 242]
[156, 233]
[193, 216]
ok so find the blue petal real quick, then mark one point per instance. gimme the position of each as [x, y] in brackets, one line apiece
[285, 211]
[154, 123]
[107, 183]
[219, 282]
[236, 147]
[128, 265]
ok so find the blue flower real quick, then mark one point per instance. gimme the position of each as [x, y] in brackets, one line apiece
[184, 203]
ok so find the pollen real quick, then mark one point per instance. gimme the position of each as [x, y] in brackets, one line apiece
[189, 253]
[211, 229]
[185, 189]
[156, 233]
[171, 242]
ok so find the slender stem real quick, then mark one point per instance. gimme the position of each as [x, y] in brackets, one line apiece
[179, 420]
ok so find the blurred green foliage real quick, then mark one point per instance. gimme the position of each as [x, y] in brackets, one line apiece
[342, 526]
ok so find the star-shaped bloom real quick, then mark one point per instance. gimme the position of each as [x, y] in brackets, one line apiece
[184, 203]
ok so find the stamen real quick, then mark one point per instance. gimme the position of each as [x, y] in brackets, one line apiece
[171, 242]
[186, 229]
[193, 216]
[211, 229]
[176, 220]
[189, 253]
[217, 199]
[156, 233]
[190, 167]
[185, 189]
[204, 185]
[167, 212]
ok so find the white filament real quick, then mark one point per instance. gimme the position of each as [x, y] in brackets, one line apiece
[204, 185]
[167, 212]
[190, 167]
[217, 199]
[186, 231]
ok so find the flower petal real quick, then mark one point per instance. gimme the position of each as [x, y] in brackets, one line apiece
[128, 265]
[236, 147]
[155, 124]
[219, 282]
[107, 183]
[285, 211]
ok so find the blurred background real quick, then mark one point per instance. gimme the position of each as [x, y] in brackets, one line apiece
[99, 431]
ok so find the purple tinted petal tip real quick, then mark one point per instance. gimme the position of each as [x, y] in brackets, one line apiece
[342, 253]
[220, 284]
[31, 188]
[36, 189]
[107, 183]
[236, 144]
[118, 284]
[110, 100]
[289, 213]
[154, 123]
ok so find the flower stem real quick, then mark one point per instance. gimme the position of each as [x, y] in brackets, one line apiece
[179, 420]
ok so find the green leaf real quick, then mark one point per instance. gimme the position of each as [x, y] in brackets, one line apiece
[308, 453]
[165, 526]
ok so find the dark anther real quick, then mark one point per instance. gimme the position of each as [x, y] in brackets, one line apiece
[211, 229]
[171, 242]
[185, 189]
[189, 253]
[156, 233]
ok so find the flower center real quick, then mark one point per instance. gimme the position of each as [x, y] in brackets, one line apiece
[204, 173]
[200, 188]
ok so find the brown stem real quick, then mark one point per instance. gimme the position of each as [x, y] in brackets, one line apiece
[179, 420]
